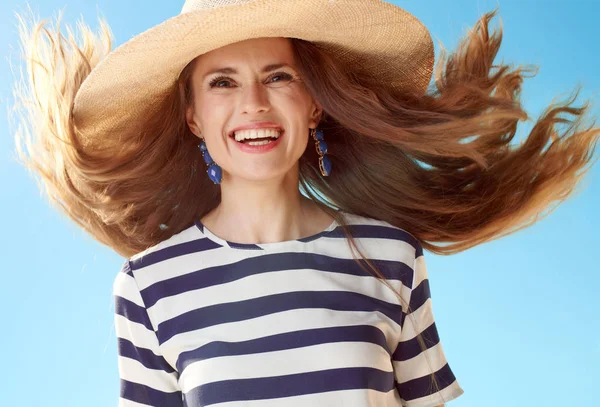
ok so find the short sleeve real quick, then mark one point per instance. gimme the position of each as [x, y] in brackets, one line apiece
[413, 366]
[146, 378]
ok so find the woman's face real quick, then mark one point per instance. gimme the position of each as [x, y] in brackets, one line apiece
[253, 83]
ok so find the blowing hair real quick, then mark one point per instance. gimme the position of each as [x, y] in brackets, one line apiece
[439, 165]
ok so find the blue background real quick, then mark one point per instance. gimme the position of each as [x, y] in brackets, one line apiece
[518, 316]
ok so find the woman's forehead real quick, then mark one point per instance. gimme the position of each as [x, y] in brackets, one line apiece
[256, 51]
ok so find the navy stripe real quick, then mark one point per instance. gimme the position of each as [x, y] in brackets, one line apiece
[256, 307]
[418, 248]
[420, 295]
[250, 246]
[424, 386]
[126, 268]
[132, 312]
[234, 245]
[193, 246]
[245, 246]
[288, 340]
[199, 245]
[316, 236]
[411, 348]
[147, 395]
[391, 270]
[145, 356]
[290, 385]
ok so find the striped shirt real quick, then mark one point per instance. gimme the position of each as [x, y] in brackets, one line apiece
[201, 321]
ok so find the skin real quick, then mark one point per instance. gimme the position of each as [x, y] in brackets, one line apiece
[260, 200]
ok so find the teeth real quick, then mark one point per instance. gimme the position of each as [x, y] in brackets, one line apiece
[259, 143]
[256, 133]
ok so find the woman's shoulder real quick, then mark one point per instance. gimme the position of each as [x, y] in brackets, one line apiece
[356, 219]
[166, 248]
[368, 227]
[364, 220]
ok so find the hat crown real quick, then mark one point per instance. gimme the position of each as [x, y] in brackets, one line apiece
[196, 5]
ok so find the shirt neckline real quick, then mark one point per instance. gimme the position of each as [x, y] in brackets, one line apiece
[263, 246]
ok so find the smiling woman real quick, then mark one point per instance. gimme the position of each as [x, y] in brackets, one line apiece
[260, 268]
[262, 97]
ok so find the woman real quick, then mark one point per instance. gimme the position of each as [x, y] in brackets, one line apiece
[185, 148]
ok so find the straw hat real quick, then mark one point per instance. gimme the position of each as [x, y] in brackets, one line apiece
[371, 35]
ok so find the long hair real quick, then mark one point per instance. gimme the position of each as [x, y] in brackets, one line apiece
[440, 165]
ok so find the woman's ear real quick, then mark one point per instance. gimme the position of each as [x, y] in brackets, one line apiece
[316, 115]
[189, 118]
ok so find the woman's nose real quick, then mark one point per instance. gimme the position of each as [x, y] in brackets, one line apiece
[255, 99]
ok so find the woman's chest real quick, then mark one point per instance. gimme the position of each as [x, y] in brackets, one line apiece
[278, 334]
[295, 353]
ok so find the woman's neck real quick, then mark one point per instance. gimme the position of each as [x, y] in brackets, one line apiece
[261, 213]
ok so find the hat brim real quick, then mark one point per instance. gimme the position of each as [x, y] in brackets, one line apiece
[374, 36]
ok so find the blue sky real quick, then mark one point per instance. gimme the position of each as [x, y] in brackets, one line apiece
[518, 317]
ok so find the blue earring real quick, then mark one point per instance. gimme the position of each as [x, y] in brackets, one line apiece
[324, 162]
[214, 171]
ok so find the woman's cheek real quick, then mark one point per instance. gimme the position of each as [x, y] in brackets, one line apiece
[291, 95]
[213, 107]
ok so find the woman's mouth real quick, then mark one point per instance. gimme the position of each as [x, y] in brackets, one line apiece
[257, 136]
[257, 140]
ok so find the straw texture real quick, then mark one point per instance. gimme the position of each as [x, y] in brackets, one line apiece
[127, 85]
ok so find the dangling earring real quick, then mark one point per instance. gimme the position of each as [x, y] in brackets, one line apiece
[324, 162]
[214, 171]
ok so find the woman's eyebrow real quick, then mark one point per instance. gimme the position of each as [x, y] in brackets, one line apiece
[230, 71]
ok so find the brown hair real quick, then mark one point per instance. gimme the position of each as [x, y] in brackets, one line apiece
[439, 165]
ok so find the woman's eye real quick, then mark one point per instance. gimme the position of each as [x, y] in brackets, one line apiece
[224, 82]
[216, 83]
[283, 75]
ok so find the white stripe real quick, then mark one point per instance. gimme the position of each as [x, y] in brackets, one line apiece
[422, 317]
[345, 398]
[124, 286]
[284, 362]
[353, 219]
[189, 263]
[376, 248]
[136, 333]
[420, 271]
[184, 236]
[449, 393]
[418, 366]
[282, 322]
[133, 371]
[264, 284]
[128, 403]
